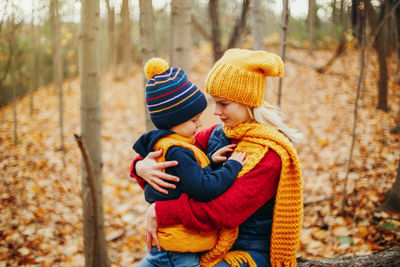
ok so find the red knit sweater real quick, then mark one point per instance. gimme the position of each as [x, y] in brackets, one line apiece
[239, 202]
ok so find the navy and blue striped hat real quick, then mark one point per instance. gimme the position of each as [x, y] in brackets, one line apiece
[170, 97]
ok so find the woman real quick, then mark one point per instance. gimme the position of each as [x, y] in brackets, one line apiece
[260, 214]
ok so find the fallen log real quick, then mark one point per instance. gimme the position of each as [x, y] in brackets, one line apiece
[389, 257]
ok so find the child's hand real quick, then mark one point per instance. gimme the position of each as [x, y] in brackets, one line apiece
[240, 157]
[219, 155]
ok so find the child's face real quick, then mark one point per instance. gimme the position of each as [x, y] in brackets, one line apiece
[188, 128]
[231, 113]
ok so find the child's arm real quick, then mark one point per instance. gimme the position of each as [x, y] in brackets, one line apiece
[220, 155]
[202, 184]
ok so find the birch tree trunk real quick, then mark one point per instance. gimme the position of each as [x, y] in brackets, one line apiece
[125, 41]
[93, 218]
[257, 25]
[181, 41]
[148, 40]
[57, 67]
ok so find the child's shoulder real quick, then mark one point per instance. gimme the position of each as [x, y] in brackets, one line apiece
[178, 152]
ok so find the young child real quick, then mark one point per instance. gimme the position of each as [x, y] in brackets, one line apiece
[175, 105]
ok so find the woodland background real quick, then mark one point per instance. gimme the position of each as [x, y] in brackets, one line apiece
[340, 89]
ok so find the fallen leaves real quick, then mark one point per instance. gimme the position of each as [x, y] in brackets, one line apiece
[41, 218]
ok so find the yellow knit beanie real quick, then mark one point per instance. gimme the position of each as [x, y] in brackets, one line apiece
[240, 75]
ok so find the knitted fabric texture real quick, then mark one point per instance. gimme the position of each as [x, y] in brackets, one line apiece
[255, 140]
[240, 75]
[177, 237]
[170, 97]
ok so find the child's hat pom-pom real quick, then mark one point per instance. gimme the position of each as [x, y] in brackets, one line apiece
[155, 66]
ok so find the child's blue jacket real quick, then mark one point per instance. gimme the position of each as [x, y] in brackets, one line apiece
[201, 184]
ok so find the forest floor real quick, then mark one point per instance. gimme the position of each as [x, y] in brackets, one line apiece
[41, 217]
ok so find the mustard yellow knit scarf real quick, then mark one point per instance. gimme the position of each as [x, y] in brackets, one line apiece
[255, 140]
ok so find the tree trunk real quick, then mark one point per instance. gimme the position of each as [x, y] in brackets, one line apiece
[334, 12]
[342, 18]
[380, 50]
[310, 21]
[285, 23]
[384, 258]
[15, 116]
[396, 129]
[392, 199]
[257, 28]
[33, 70]
[93, 229]
[148, 40]
[240, 25]
[360, 79]
[215, 29]
[57, 68]
[181, 40]
[110, 35]
[125, 40]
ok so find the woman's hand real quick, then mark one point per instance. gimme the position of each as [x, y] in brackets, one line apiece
[151, 228]
[220, 154]
[152, 171]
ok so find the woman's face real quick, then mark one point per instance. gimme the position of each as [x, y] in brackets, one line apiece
[231, 113]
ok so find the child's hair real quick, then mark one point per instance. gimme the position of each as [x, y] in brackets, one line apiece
[270, 115]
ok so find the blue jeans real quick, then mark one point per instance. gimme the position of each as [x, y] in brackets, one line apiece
[170, 259]
[261, 260]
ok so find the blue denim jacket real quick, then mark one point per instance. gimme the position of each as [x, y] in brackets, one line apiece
[255, 232]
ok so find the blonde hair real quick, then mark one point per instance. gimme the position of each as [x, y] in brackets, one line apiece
[270, 115]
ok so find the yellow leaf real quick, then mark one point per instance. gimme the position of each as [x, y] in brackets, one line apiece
[323, 142]
[320, 234]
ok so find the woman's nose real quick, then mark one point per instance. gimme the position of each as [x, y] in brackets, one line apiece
[217, 111]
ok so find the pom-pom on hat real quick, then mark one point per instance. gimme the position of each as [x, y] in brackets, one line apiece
[170, 97]
[240, 75]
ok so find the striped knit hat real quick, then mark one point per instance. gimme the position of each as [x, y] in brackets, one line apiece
[170, 97]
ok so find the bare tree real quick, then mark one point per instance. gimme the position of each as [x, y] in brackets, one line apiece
[92, 180]
[379, 46]
[238, 29]
[310, 23]
[57, 67]
[125, 40]
[148, 41]
[240, 25]
[360, 78]
[392, 198]
[257, 25]
[12, 68]
[181, 40]
[110, 35]
[215, 29]
[34, 72]
[285, 14]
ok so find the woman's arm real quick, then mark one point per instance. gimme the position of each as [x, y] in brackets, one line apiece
[241, 200]
[148, 170]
